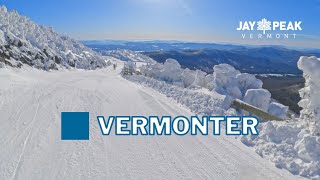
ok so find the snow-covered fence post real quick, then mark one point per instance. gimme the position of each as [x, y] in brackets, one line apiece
[310, 94]
[254, 110]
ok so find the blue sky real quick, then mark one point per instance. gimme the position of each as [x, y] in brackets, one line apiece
[190, 20]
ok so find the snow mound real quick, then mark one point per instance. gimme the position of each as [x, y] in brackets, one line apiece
[294, 145]
[278, 110]
[289, 146]
[262, 102]
[225, 80]
[24, 42]
[248, 81]
[171, 72]
[197, 101]
[229, 81]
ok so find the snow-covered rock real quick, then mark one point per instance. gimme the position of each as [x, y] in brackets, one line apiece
[24, 41]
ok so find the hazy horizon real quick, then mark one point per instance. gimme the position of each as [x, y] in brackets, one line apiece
[212, 21]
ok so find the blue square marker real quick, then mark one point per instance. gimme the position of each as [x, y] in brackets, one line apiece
[74, 125]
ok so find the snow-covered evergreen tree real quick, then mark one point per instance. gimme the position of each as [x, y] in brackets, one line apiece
[310, 94]
[22, 40]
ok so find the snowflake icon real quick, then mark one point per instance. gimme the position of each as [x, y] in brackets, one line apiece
[264, 25]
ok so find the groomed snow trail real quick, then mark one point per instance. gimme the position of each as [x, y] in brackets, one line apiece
[31, 147]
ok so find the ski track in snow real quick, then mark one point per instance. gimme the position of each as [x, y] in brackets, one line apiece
[31, 147]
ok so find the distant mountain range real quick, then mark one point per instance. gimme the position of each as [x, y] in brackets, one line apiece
[151, 46]
[261, 60]
[251, 59]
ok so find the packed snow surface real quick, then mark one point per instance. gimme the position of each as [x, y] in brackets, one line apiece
[31, 146]
[23, 41]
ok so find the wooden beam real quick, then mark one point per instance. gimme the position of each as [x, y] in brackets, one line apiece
[255, 111]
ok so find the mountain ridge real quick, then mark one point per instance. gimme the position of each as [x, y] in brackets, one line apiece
[266, 59]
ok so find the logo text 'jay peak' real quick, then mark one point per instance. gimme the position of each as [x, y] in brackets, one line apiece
[269, 29]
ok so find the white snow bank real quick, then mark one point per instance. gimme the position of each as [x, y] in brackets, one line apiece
[229, 81]
[295, 145]
[289, 146]
[225, 80]
[197, 101]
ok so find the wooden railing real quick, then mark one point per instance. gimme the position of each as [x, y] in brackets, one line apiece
[238, 104]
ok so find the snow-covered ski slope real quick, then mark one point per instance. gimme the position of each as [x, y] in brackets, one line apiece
[31, 146]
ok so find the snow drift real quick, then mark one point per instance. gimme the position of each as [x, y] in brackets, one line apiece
[199, 102]
[225, 80]
[24, 42]
[292, 144]
[295, 145]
